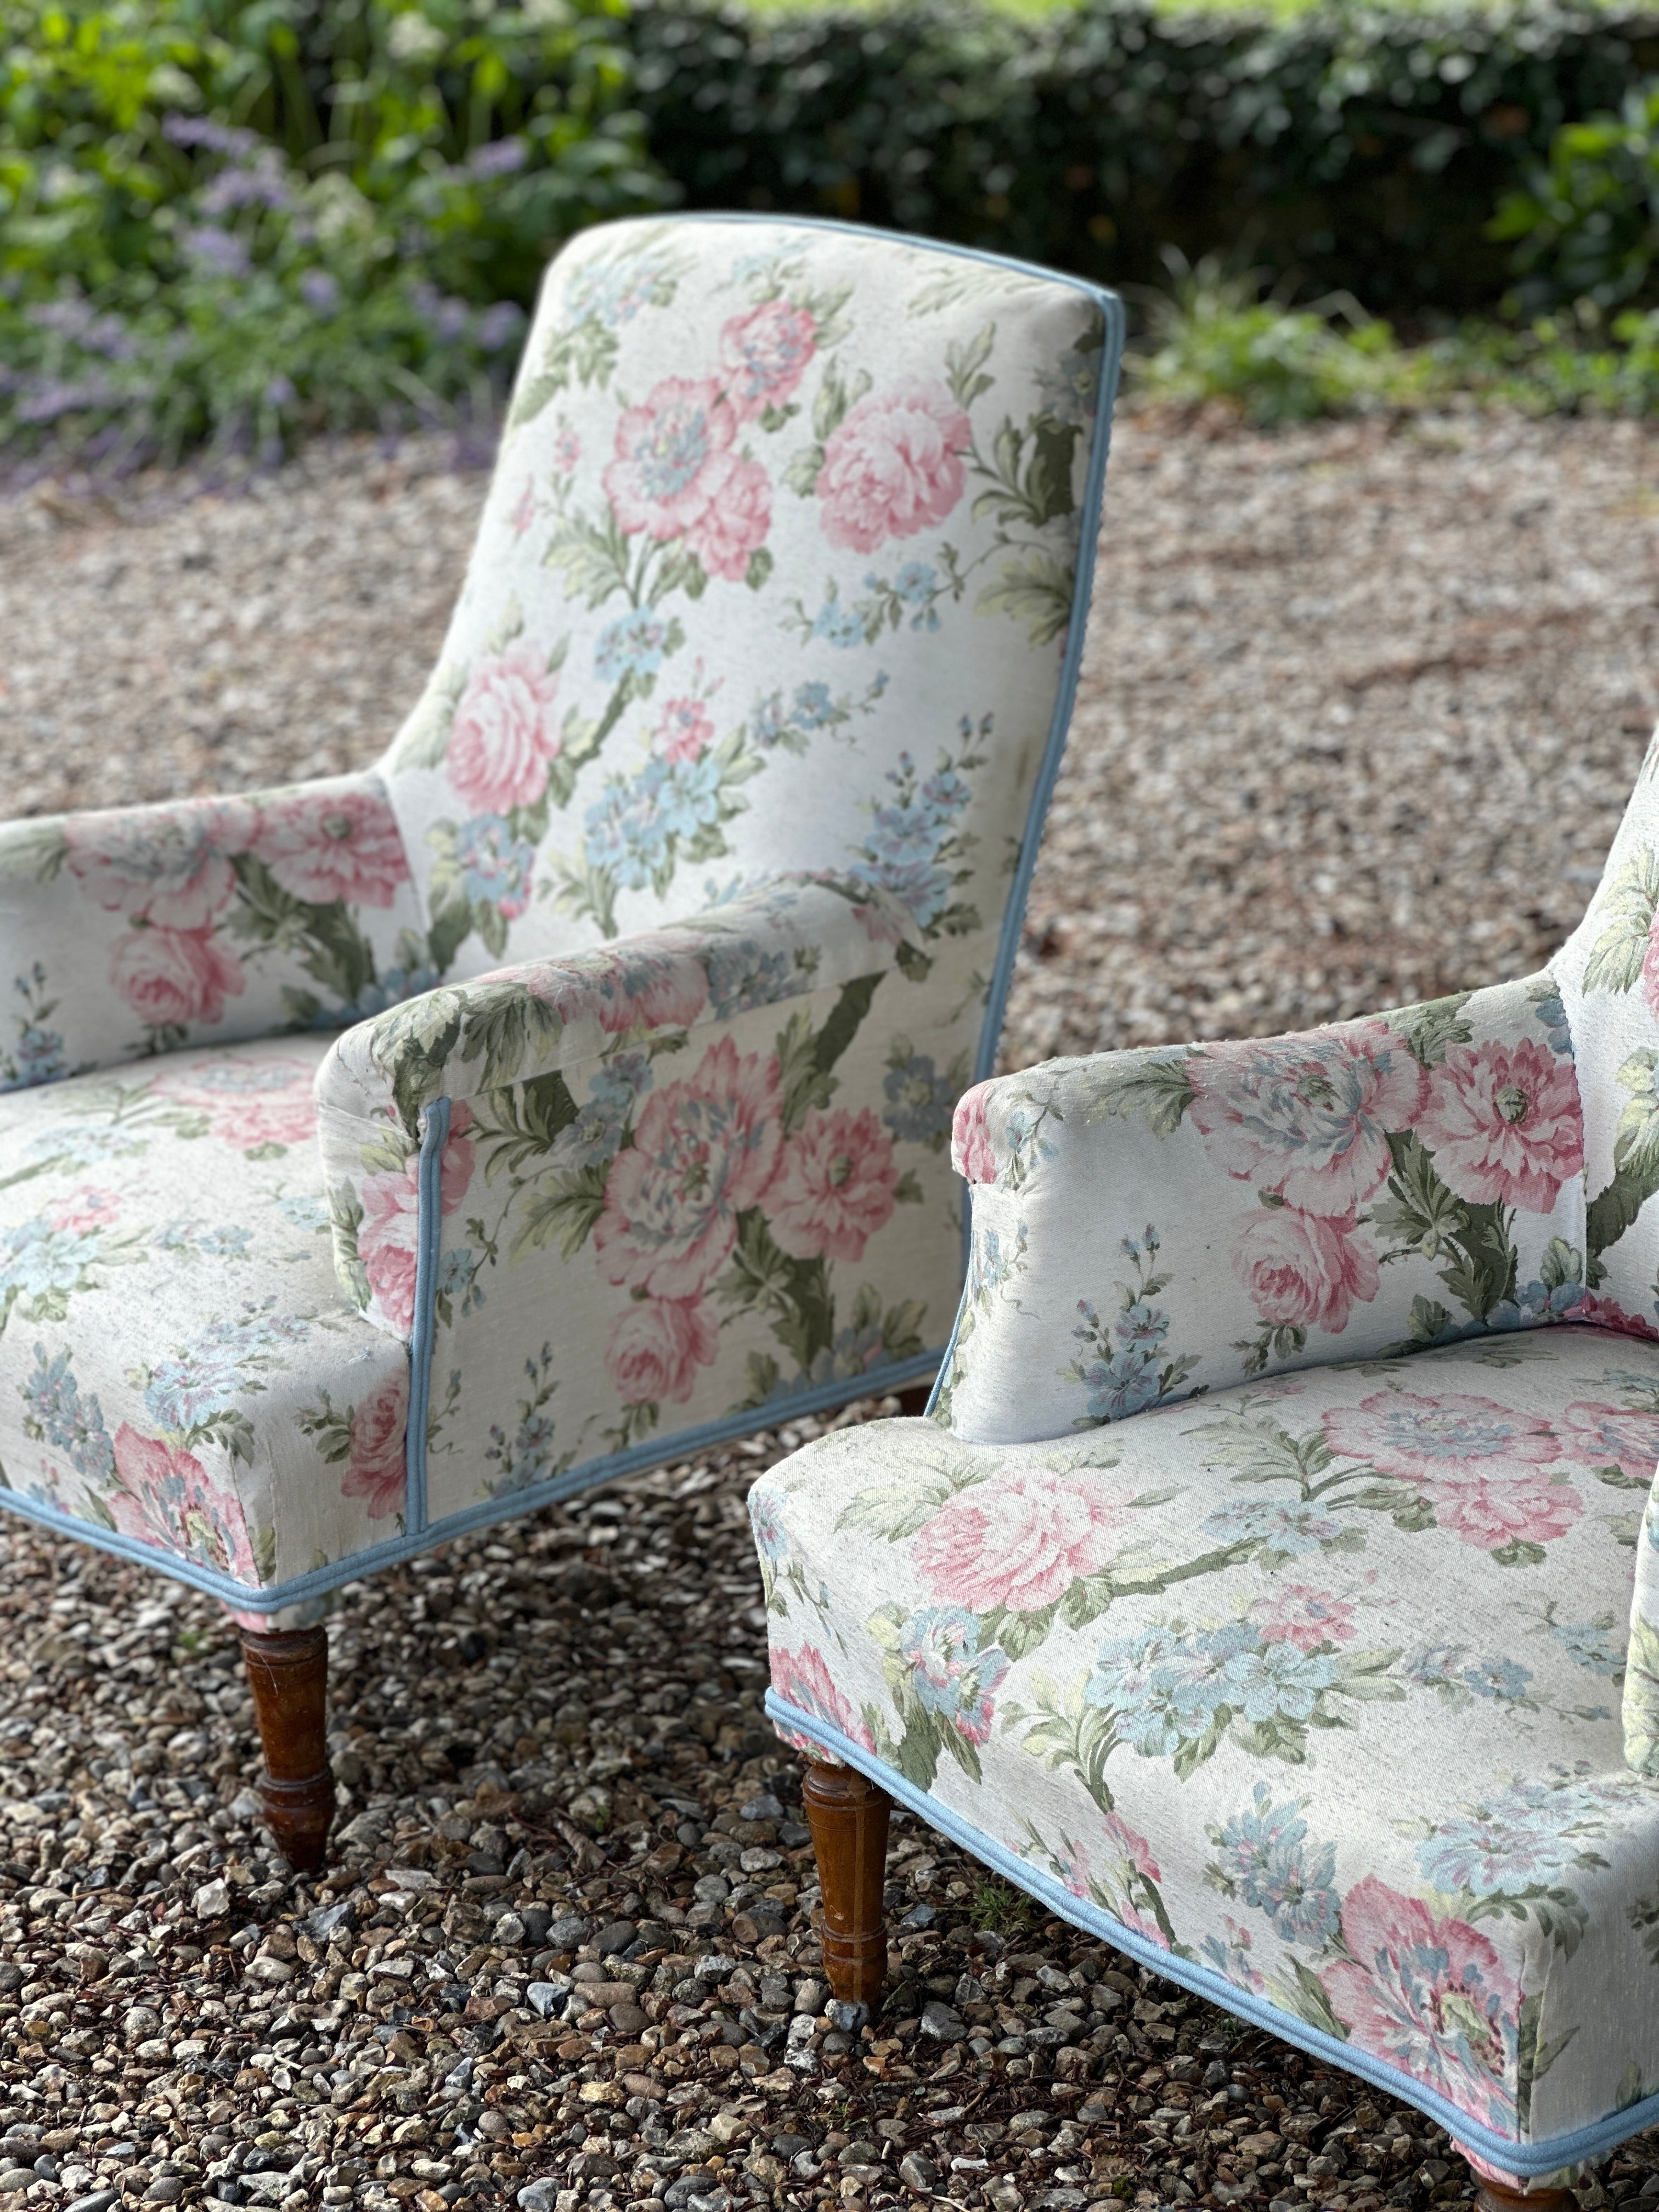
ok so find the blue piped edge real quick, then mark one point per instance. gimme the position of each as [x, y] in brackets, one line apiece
[300, 1589]
[429, 1183]
[1578, 2147]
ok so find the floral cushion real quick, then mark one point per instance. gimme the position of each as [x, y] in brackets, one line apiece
[1306, 1691]
[675, 1182]
[137, 929]
[178, 1372]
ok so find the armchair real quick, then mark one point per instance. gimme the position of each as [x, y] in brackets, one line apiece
[1259, 1593]
[397, 1153]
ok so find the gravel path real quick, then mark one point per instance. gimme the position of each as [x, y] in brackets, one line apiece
[1360, 712]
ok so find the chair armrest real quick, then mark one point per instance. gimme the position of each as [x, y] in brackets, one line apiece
[509, 1056]
[1150, 1224]
[138, 929]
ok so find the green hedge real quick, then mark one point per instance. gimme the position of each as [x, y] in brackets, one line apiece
[1363, 147]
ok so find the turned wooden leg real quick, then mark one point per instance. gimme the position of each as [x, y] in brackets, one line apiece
[1494, 2197]
[288, 1670]
[848, 1816]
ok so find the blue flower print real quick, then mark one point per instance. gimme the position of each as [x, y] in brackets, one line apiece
[496, 867]
[951, 1676]
[37, 1054]
[1286, 1528]
[741, 976]
[814, 706]
[38, 1261]
[917, 584]
[1522, 1838]
[837, 625]
[1166, 1688]
[919, 1101]
[1448, 1669]
[205, 1377]
[55, 1412]
[764, 1518]
[1590, 1644]
[633, 645]
[301, 1210]
[1264, 1856]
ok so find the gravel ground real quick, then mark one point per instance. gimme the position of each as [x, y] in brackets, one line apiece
[1338, 679]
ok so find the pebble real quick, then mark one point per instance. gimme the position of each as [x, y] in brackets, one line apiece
[1361, 796]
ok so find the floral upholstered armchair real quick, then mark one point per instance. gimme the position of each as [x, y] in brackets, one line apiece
[1274, 1589]
[397, 1152]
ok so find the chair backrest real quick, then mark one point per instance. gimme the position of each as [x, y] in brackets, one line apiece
[1608, 972]
[778, 572]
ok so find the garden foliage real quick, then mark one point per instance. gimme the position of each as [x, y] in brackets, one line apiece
[229, 220]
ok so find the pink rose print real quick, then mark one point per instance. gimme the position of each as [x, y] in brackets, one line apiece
[655, 982]
[167, 1499]
[765, 355]
[735, 522]
[377, 1469]
[972, 1154]
[1306, 1617]
[1308, 1116]
[684, 728]
[329, 846]
[249, 1101]
[1438, 1440]
[1430, 1996]
[523, 509]
[1612, 1436]
[1595, 1311]
[1504, 1124]
[1020, 1542]
[1651, 967]
[893, 466]
[656, 1348]
[172, 977]
[388, 1235]
[1302, 1270]
[504, 734]
[803, 1679]
[567, 450]
[1434, 1438]
[669, 453]
[169, 867]
[835, 1188]
[1491, 1510]
[704, 1150]
[85, 1209]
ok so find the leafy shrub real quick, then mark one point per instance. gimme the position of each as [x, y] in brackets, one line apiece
[1355, 146]
[232, 219]
[1588, 223]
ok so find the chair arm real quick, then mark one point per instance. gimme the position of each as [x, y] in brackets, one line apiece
[513, 1052]
[1149, 1224]
[138, 929]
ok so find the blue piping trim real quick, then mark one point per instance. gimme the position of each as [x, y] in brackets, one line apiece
[430, 1200]
[271, 1597]
[1579, 2148]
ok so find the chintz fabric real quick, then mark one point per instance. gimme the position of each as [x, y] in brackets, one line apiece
[178, 1367]
[1279, 1574]
[707, 1167]
[1311, 1683]
[659, 946]
[776, 573]
[138, 929]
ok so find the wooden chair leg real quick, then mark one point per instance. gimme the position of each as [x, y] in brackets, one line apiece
[1493, 2197]
[848, 1816]
[288, 1671]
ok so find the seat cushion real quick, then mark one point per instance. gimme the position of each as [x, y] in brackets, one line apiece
[177, 1369]
[1308, 1693]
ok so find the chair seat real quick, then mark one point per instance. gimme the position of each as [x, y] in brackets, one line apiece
[1306, 1693]
[178, 1369]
